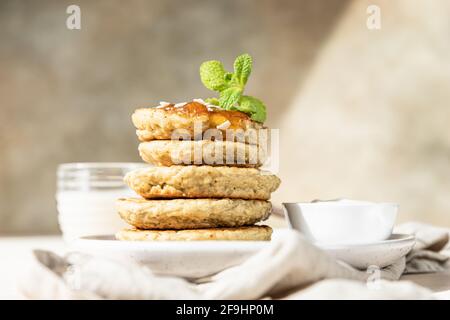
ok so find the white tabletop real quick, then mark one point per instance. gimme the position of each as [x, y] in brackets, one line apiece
[16, 251]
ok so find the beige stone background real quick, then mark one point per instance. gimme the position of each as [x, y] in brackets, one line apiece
[363, 114]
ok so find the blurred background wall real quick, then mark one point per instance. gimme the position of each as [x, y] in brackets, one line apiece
[372, 118]
[362, 114]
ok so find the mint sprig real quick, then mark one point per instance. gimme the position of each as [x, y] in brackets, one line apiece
[230, 86]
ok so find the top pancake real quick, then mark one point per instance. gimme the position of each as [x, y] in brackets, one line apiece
[167, 123]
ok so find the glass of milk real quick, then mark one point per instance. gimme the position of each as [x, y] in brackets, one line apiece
[86, 197]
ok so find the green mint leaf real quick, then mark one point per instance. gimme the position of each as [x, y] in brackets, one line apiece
[229, 97]
[254, 107]
[213, 75]
[213, 101]
[243, 68]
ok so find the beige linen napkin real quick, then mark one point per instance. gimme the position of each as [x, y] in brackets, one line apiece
[432, 249]
[289, 267]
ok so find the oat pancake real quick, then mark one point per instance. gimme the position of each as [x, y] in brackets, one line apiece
[169, 152]
[161, 123]
[202, 182]
[192, 213]
[251, 233]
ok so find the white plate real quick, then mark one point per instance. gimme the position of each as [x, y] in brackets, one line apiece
[380, 253]
[201, 258]
[186, 259]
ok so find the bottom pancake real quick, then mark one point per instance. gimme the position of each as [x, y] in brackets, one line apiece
[250, 233]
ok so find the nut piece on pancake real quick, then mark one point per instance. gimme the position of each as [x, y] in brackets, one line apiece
[251, 233]
[163, 123]
[218, 153]
[192, 213]
[202, 182]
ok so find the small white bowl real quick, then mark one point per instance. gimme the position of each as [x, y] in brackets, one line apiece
[343, 221]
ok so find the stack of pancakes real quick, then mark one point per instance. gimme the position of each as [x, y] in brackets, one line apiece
[204, 188]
